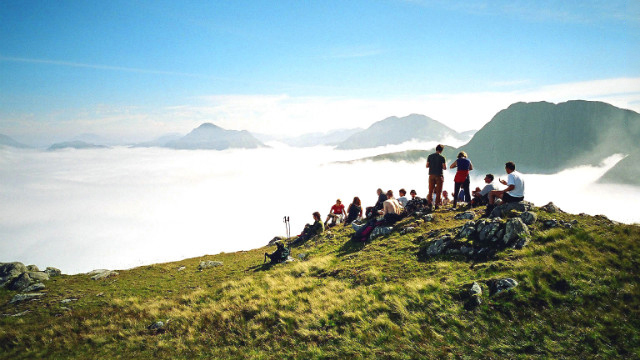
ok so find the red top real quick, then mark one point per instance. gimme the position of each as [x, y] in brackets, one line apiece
[337, 209]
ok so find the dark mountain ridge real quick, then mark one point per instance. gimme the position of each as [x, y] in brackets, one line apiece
[545, 138]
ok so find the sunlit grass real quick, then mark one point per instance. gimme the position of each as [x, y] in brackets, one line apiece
[578, 296]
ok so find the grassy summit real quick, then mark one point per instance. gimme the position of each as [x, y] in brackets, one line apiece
[577, 297]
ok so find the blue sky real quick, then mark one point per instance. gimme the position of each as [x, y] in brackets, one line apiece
[138, 69]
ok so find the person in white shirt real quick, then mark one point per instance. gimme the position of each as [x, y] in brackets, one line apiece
[515, 186]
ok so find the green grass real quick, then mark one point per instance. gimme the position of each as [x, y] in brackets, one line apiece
[577, 297]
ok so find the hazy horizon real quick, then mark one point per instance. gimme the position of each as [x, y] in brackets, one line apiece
[118, 208]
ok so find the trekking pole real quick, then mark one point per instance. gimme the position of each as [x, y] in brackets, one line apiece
[287, 226]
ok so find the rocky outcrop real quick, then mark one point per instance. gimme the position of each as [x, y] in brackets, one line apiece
[467, 215]
[10, 271]
[24, 297]
[479, 239]
[504, 209]
[99, 274]
[551, 208]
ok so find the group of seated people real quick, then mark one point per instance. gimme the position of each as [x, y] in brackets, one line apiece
[388, 210]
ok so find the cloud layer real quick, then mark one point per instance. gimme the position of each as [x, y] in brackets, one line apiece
[121, 207]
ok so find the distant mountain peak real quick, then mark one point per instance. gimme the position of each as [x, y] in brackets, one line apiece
[208, 126]
[396, 130]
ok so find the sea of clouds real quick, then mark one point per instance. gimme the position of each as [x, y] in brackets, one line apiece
[118, 208]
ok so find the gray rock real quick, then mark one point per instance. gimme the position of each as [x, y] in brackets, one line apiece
[515, 229]
[407, 230]
[32, 268]
[182, 268]
[489, 229]
[500, 211]
[551, 223]
[468, 230]
[101, 274]
[428, 217]
[551, 208]
[302, 256]
[468, 215]
[51, 271]
[24, 297]
[498, 286]
[158, 326]
[9, 271]
[17, 314]
[20, 282]
[67, 301]
[529, 217]
[35, 287]
[520, 243]
[475, 289]
[290, 259]
[276, 239]
[381, 231]
[209, 264]
[38, 276]
[438, 246]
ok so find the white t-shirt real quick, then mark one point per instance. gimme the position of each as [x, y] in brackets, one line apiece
[516, 180]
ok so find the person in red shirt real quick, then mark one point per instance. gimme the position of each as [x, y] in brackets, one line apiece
[336, 213]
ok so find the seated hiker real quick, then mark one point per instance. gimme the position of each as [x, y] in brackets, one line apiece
[391, 209]
[280, 255]
[336, 213]
[481, 197]
[403, 199]
[310, 230]
[415, 204]
[354, 212]
[514, 191]
[373, 210]
[445, 198]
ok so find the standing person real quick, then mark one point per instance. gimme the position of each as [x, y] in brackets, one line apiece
[336, 213]
[461, 179]
[436, 163]
[354, 211]
[403, 199]
[514, 191]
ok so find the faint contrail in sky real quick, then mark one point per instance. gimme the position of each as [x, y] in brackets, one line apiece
[94, 66]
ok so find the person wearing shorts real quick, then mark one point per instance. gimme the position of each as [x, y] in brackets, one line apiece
[515, 186]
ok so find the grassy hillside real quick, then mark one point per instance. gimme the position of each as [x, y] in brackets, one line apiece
[578, 297]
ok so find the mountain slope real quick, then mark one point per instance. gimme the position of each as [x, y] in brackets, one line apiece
[75, 145]
[545, 138]
[626, 171]
[8, 141]
[394, 130]
[577, 297]
[210, 136]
